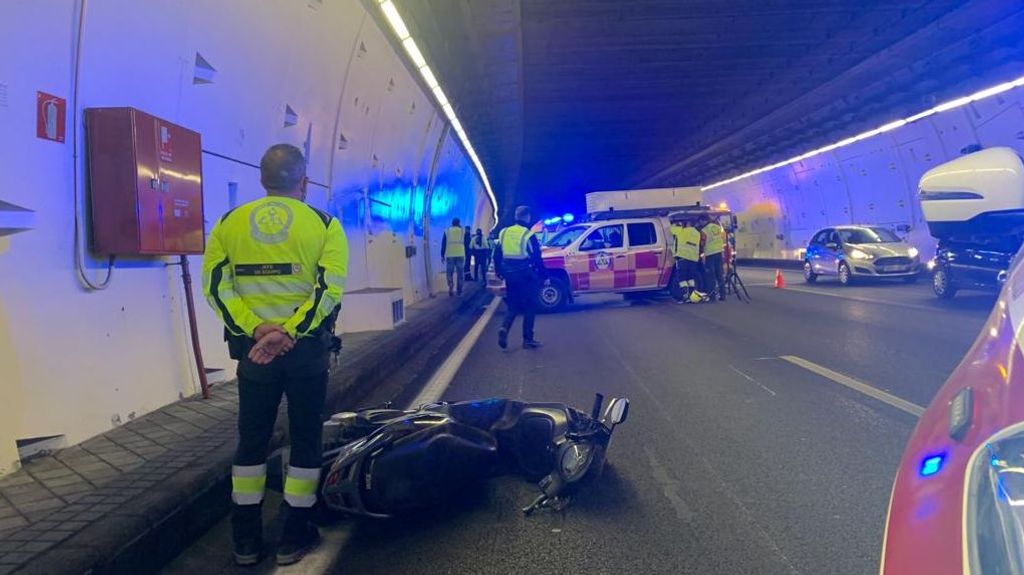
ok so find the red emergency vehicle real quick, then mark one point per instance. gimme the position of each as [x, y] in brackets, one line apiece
[627, 251]
[957, 503]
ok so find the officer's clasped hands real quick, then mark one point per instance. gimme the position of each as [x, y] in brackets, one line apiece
[271, 341]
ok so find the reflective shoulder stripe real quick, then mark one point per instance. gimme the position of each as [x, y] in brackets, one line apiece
[324, 216]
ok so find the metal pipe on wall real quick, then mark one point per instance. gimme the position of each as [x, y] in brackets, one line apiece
[427, 195]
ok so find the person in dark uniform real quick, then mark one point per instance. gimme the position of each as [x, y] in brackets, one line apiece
[517, 260]
[468, 269]
[274, 272]
[481, 256]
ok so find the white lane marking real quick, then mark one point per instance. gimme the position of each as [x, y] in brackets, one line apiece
[336, 537]
[669, 487]
[885, 397]
[446, 373]
[752, 380]
[862, 299]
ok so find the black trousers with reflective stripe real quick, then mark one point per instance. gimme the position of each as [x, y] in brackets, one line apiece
[301, 376]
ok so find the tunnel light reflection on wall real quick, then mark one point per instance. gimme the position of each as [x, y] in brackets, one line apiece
[402, 31]
[952, 104]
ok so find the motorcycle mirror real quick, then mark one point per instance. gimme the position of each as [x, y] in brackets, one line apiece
[617, 412]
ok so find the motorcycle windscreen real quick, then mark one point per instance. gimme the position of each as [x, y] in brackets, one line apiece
[428, 468]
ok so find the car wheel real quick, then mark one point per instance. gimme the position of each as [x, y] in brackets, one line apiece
[553, 295]
[942, 284]
[845, 277]
[809, 275]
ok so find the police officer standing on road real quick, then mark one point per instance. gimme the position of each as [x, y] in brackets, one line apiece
[274, 272]
[517, 260]
[453, 253]
[687, 252]
[481, 256]
[714, 244]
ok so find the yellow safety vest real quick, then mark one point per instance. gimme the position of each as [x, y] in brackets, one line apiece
[687, 243]
[276, 260]
[514, 241]
[715, 242]
[456, 246]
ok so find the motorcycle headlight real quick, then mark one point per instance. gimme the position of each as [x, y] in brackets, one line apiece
[574, 460]
[912, 252]
[859, 255]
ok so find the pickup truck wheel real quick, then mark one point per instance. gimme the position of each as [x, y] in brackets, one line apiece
[552, 295]
[942, 284]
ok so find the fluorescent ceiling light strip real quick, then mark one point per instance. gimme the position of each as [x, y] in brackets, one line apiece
[441, 98]
[397, 24]
[428, 76]
[944, 107]
[416, 56]
[414, 52]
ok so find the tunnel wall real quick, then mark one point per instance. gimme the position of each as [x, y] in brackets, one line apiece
[873, 181]
[73, 362]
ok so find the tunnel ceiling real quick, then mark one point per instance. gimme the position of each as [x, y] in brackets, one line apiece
[562, 97]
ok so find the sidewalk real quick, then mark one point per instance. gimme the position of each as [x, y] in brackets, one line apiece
[129, 500]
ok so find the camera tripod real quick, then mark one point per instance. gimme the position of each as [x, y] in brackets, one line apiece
[734, 285]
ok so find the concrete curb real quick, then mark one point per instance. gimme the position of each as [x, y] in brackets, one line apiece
[151, 528]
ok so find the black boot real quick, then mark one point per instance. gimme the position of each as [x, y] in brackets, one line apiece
[247, 534]
[503, 338]
[298, 537]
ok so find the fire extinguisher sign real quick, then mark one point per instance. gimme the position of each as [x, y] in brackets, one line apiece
[51, 117]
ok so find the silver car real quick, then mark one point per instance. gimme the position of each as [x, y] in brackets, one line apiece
[850, 252]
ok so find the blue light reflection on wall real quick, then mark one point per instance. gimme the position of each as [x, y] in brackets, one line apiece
[393, 205]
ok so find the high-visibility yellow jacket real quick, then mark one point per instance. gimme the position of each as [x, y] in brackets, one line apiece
[687, 244]
[454, 242]
[276, 260]
[714, 241]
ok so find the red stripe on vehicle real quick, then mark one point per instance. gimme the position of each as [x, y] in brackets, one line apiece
[582, 282]
[556, 263]
[646, 260]
[622, 278]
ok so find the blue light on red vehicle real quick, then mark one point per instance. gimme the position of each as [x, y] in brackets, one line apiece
[932, 465]
[568, 218]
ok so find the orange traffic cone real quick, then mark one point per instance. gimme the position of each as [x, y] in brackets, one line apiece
[780, 282]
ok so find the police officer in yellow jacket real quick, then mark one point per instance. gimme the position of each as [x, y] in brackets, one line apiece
[714, 245]
[274, 272]
[518, 261]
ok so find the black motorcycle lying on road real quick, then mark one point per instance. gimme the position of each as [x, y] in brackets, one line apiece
[381, 462]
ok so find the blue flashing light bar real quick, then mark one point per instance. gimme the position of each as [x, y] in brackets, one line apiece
[932, 465]
[568, 218]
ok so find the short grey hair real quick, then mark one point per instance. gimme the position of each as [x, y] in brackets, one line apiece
[282, 168]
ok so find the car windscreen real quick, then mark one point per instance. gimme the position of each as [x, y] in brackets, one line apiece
[867, 236]
[565, 237]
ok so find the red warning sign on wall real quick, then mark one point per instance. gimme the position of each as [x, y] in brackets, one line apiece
[51, 117]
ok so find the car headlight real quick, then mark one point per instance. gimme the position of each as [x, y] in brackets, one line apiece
[932, 264]
[859, 255]
[912, 252]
